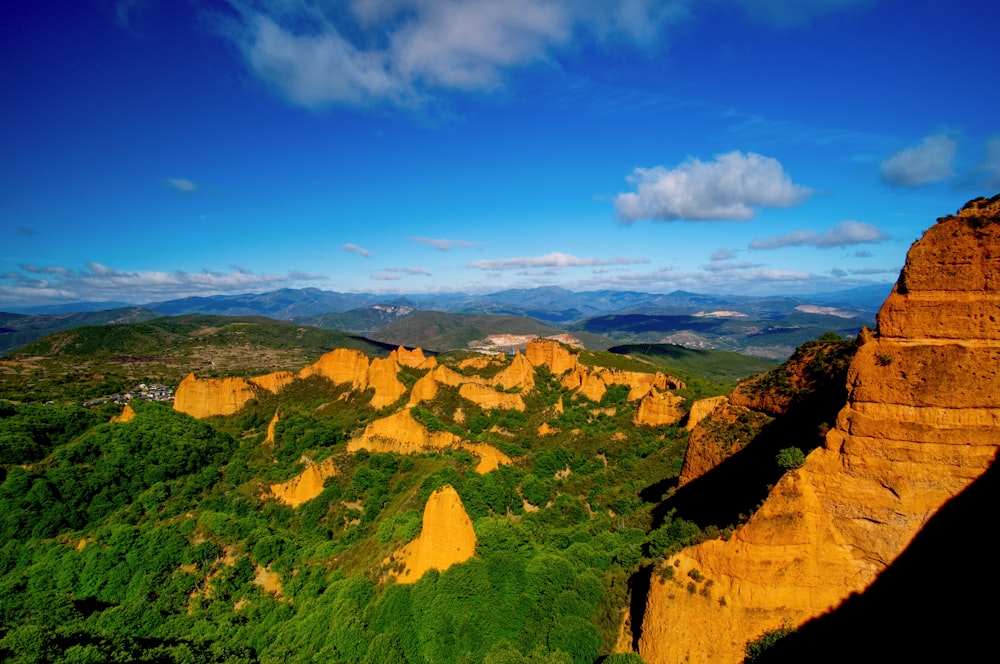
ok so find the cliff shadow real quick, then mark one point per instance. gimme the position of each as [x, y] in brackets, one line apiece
[934, 603]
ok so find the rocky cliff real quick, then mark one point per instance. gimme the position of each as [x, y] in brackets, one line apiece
[205, 397]
[306, 485]
[921, 422]
[446, 538]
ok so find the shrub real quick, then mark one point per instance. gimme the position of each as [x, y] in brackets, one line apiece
[790, 458]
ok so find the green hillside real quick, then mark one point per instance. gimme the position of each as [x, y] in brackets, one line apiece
[90, 362]
[438, 331]
[20, 329]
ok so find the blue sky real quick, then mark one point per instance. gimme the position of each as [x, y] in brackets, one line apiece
[154, 149]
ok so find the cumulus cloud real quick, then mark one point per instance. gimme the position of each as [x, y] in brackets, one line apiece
[442, 244]
[922, 164]
[727, 188]
[404, 52]
[552, 260]
[98, 282]
[182, 184]
[352, 248]
[843, 234]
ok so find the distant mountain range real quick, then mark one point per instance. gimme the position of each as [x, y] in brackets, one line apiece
[766, 326]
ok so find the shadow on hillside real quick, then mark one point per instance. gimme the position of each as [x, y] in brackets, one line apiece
[934, 603]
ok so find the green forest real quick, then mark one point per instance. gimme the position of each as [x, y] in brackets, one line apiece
[156, 540]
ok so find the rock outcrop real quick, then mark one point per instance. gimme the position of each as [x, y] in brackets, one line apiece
[702, 408]
[921, 422]
[127, 414]
[551, 354]
[425, 389]
[446, 538]
[490, 399]
[659, 409]
[205, 397]
[271, 426]
[306, 485]
[274, 382]
[519, 374]
[341, 366]
[382, 378]
[409, 358]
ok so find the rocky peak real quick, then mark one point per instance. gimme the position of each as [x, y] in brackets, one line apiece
[920, 423]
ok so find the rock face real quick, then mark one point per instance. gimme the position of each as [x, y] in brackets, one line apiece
[446, 538]
[408, 358]
[306, 485]
[127, 414]
[921, 422]
[402, 434]
[382, 377]
[490, 399]
[659, 409]
[205, 397]
[520, 374]
[273, 382]
[341, 366]
[552, 354]
[702, 408]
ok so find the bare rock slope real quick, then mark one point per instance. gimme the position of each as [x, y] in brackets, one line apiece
[921, 422]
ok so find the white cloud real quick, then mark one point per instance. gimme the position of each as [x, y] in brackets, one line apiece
[726, 266]
[403, 52]
[843, 234]
[386, 276]
[923, 164]
[442, 244]
[297, 275]
[182, 184]
[554, 259]
[722, 255]
[863, 254]
[350, 247]
[991, 164]
[98, 282]
[412, 271]
[725, 189]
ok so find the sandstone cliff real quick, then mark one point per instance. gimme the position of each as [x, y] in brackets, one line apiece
[489, 398]
[702, 408]
[551, 354]
[446, 538]
[306, 485]
[341, 366]
[273, 382]
[127, 414]
[205, 397]
[382, 378]
[920, 424]
[659, 409]
[409, 358]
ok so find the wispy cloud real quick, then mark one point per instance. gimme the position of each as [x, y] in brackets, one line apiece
[843, 234]
[296, 275]
[182, 184]
[863, 254]
[98, 282]
[386, 276]
[722, 255]
[352, 248]
[991, 164]
[411, 271]
[922, 164]
[442, 244]
[727, 188]
[404, 52]
[552, 260]
[27, 232]
[727, 266]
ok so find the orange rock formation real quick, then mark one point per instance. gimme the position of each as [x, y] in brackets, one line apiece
[205, 397]
[552, 354]
[520, 374]
[273, 382]
[659, 409]
[306, 485]
[446, 538]
[425, 389]
[408, 358]
[382, 377]
[922, 420]
[127, 414]
[702, 408]
[490, 399]
[341, 366]
[269, 438]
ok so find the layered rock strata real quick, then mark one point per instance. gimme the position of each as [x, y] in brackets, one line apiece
[921, 422]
